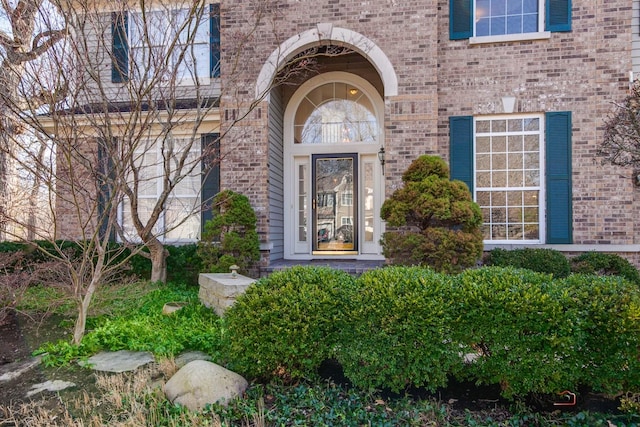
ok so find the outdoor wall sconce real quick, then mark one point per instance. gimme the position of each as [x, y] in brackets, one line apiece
[381, 157]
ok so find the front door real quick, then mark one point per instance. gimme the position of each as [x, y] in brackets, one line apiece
[334, 203]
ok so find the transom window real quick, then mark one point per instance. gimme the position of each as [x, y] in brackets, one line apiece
[508, 169]
[335, 113]
[501, 17]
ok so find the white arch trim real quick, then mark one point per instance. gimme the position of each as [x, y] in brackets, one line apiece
[341, 36]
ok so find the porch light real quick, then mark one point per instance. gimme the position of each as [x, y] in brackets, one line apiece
[381, 158]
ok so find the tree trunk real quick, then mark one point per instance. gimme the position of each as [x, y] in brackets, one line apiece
[158, 261]
[83, 309]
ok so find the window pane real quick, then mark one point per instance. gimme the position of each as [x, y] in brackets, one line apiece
[483, 144]
[499, 179]
[483, 162]
[514, 25]
[499, 144]
[483, 126]
[516, 179]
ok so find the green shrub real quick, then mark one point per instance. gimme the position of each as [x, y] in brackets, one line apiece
[548, 261]
[399, 330]
[286, 324]
[230, 237]
[514, 323]
[435, 221]
[606, 311]
[604, 264]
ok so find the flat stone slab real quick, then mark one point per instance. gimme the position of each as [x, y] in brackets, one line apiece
[190, 356]
[119, 361]
[55, 385]
[13, 370]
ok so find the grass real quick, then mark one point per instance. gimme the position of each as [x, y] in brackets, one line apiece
[128, 316]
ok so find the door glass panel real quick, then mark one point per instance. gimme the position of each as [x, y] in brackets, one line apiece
[368, 202]
[302, 203]
[335, 201]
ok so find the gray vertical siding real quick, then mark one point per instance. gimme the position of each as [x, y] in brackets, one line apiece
[276, 185]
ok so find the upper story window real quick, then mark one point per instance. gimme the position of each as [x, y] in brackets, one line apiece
[500, 17]
[484, 21]
[335, 113]
[166, 44]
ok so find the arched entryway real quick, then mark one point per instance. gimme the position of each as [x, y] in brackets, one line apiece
[329, 122]
[333, 179]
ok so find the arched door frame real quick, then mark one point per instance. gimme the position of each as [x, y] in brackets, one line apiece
[296, 155]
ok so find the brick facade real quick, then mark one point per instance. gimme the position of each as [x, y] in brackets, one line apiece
[581, 71]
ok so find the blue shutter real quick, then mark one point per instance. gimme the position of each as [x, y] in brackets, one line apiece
[120, 59]
[460, 19]
[558, 15]
[214, 39]
[210, 173]
[461, 149]
[558, 176]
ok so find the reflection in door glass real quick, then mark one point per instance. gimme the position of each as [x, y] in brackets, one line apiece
[334, 210]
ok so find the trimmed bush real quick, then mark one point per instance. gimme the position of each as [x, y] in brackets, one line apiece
[287, 324]
[548, 261]
[606, 264]
[513, 322]
[437, 224]
[399, 331]
[606, 311]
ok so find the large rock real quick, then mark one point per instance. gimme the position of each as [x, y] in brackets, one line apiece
[200, 383]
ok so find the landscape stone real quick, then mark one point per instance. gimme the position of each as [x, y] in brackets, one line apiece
[11, 371]
[119, 361]
[190, 356]
[55, 385]
[200, 383]
[220, 290]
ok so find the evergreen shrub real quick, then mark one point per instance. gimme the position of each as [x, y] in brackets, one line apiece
[607, 264]
[230, 236]
[541, 260]
[400, 327]
[431, 220]
[287, 324]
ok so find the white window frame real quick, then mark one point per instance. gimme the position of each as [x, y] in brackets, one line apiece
[542, 177]
[152, 147]
[202, 40]
[537, 35]
[346, 198]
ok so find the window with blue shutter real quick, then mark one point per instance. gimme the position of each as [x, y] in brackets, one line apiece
[558, 177]
[499, 157]
[130, 45]
[120, 60]
[485, 18]
[210, 173]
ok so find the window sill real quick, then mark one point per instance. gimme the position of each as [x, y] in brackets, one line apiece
[510, 38]
[566, 247]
